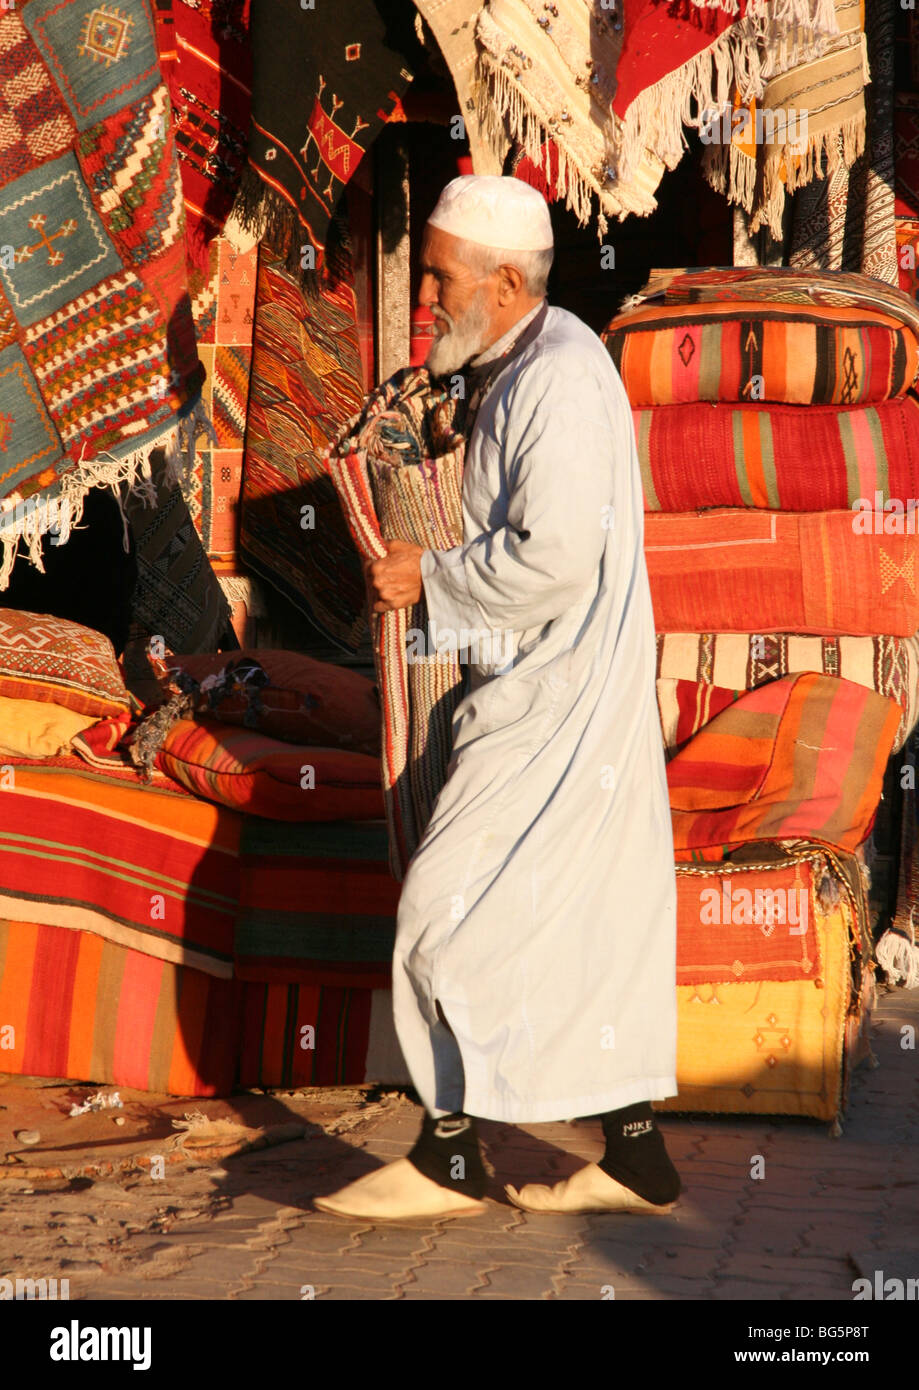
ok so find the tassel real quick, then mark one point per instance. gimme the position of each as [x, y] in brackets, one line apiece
[898, 956]
[29, 522]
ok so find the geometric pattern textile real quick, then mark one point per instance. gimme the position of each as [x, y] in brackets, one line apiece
[59, 662]
[94, 1011]
[742, 661]
[206, 61]
[846, 221]
[148, 867]
[674, 354]
[780, 285]
[317, 902]
[223, 304]
[307, 381]
[322, 89]
[610, 90]
[398, 467]
[97, 351]
[746, 570]
[808, 121]
[177, 597]
[778, 1047]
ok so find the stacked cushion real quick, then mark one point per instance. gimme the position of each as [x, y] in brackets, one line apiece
[304, 701]
[251, 772]
[57, 662]
[826, 355]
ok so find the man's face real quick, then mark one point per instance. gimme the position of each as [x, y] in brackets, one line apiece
[462, 301]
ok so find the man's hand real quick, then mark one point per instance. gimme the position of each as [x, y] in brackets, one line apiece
[395, 581]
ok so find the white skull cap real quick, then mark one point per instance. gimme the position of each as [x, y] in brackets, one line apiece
[505, 213]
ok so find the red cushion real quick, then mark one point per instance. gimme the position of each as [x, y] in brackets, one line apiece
[306, 702]
[251, 772]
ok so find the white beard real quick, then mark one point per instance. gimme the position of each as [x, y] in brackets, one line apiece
[463, 339]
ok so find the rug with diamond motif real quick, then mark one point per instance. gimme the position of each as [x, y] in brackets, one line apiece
[98, 364]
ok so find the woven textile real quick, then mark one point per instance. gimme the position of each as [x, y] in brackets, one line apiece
[906, 113]
[766, 1047]
[742, 661]
[288, 696]
[809, 121]
[612, 89]
[97, 347]
[317, 904]
[675, 354]
[452, 22]
[248, 771]
[781, 285]
[272, 1051]
[846, 220]
[685, 706]
[323, 87]
[748, 924]
[906, 127]
[755, 571]
[908, 256]
[398, 470]
[782, 457]
[177, 597]
[898, 947]
[61, 663]
[146, 867]
[90, 1010]
[206, 60]
[306, 380]
[802, 757]
[223, 304]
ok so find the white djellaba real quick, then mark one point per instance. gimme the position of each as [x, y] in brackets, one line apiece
[539, 910]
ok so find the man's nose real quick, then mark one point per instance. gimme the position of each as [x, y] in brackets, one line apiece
[427, 291]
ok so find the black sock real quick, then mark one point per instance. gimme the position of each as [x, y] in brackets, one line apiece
[636, 1155]
[447, 1151]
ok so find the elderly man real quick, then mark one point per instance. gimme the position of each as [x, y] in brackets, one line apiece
[534, 967]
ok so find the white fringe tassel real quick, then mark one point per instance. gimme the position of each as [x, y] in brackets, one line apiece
[29, 522]
[771, 38]
[898, 957]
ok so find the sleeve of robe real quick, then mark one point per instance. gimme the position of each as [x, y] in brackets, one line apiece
[559, 453]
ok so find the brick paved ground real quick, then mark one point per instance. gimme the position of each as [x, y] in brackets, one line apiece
[825, 1211]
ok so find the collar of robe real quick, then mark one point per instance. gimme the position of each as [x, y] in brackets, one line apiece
[478, 380]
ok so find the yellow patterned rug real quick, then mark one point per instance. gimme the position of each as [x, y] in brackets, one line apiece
[785, 1047]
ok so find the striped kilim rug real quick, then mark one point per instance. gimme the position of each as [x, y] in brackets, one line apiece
[398, 471]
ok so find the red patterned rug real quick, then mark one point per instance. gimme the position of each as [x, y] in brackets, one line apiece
[97, 345]
[307, 379]
[206, 60]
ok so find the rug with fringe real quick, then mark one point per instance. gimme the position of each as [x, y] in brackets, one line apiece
[846, 220]
[808, 122]
[610, 87]
[98, 364]
[398, 469]
[325, 82]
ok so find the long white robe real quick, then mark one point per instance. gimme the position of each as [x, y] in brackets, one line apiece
[539, 909]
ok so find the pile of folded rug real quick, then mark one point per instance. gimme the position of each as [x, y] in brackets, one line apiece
[778, 437]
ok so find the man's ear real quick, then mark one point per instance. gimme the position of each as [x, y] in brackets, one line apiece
[510, 284]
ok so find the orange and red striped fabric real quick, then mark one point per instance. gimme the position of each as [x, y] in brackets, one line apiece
[800, 758]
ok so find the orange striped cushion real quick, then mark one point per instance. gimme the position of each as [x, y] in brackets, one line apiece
[251, 772]
[675, 354]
